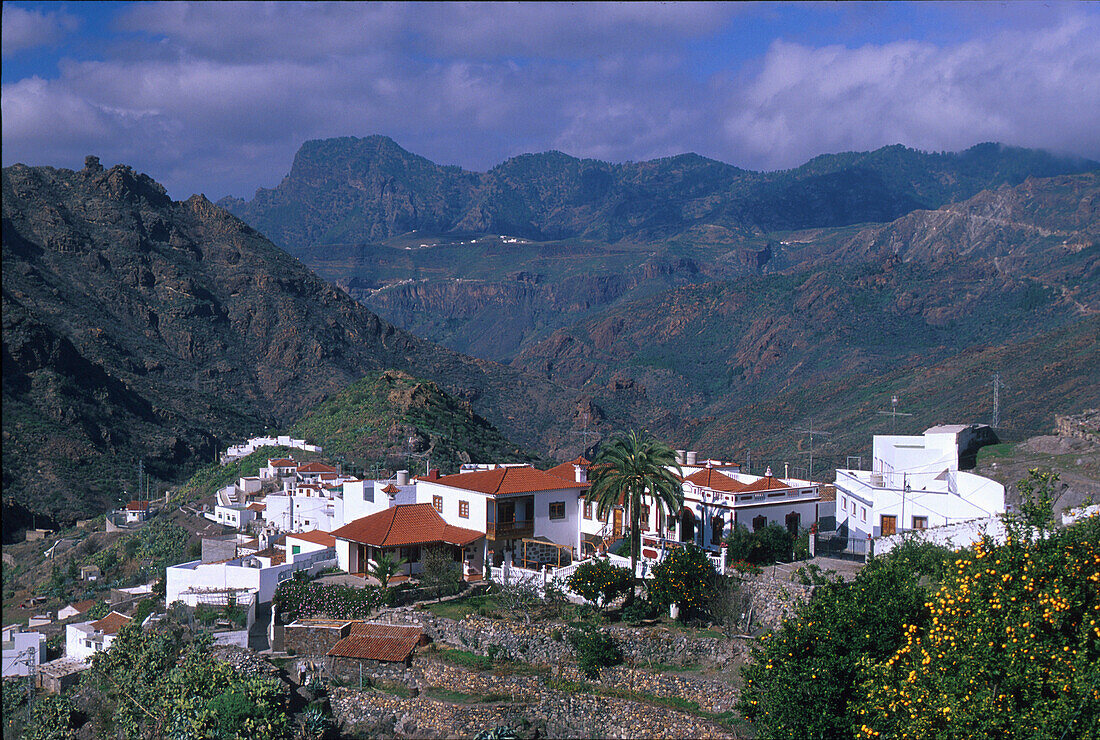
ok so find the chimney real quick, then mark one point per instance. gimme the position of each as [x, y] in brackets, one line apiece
[581, 473]
[681, 456]
[433, 474]
[692, 456]
[402, 477]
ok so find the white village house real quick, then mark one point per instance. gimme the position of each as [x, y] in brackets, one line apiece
[22, 651]
[85, 639]
[915, 484]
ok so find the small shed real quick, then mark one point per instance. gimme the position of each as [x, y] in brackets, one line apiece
[374, 647]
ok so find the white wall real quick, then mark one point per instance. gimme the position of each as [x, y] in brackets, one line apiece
[426, 490]
[962, 534]
[559, 531]
[17, 657]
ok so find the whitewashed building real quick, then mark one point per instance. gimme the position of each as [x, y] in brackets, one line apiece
[23, 651]
[85, 639]
[914, 483]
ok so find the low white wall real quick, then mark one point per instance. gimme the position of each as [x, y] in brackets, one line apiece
[955, 536]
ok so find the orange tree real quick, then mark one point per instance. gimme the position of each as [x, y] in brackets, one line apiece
[596, 578]
[1012, 648]
[685, 578]
[801, 681]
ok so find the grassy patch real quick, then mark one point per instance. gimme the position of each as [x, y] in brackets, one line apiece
[466, 659]
[463, 607]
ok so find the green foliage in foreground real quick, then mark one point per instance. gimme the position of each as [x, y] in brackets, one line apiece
[305, 599]
[599, 578]
[994, 641]
[159, 684]
[595, 650]
[685, 578]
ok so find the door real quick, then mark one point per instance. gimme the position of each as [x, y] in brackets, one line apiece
[617, 522]
[889, 524]
[687, 526]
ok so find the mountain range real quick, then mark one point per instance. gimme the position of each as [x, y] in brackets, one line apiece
[710, 304]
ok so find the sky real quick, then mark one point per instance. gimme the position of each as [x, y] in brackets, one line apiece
[216, 98]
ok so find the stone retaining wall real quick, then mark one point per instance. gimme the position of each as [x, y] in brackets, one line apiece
[773, 600]
[555, 714]
[546, 643]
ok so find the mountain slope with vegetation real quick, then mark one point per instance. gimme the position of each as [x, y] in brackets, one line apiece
[136, 327]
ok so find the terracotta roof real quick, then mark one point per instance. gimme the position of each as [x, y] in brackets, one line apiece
[83, 606]
[315, 536]
[277, 557]
[508, 480]
[387, 642]
[767, 483]
[391, 488]
[405, 524]
[111, 623]
[282, 462]
[256, 506]
[567, 471]
[714, 480]
[315, 467]
[137, 506]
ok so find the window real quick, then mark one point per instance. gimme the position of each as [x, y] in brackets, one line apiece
[645, 517]
[295, 549]
[437, 502]
[587, 509]
[863, 513]
[853, 507]
[843, 503]
[464, 509]
[920, 522]
[557, 509]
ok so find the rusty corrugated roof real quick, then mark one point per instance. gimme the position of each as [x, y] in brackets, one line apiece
[369, 641]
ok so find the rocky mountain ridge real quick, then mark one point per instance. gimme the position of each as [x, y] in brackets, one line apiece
[138, 327]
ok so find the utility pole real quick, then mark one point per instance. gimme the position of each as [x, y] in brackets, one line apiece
[584, 432]
[894, 414]
[810, 431]
[997, 386]
[748, 461]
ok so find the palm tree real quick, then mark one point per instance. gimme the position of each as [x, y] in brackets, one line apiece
[628, 470]
[385, 568]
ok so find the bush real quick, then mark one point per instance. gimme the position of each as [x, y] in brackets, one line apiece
[762, 547]
[595, 650]
[305, 599]
[598, 578]
[640, 610]
[685, 578]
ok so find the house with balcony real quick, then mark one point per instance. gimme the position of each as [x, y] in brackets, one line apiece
[514, 506]
[402, 532]
[915, 483]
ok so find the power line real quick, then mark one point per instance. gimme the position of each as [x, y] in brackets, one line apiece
[894, 413]
[811, 432]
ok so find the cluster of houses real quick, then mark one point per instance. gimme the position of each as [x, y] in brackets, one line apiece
[313, 516]
[310, 516]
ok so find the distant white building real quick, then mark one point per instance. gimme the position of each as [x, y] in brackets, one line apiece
[85, 639]
[236, 452]
[23, 651]
[915, 483]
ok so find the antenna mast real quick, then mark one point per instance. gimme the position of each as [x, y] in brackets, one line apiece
[997, 386]
[811, 432]
[894, 414]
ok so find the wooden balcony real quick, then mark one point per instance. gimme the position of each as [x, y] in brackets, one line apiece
[510, 530]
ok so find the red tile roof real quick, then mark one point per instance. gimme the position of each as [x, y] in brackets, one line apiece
[387, 642]
[405, 524]
[83, 606]
[111, 623]
[256, 506]
[508, 480]
[137, 506]
[711, 478]
[391, 488]
[566, 470]
[315, 536]
[767, 483]
[282, 462]
[315, 467]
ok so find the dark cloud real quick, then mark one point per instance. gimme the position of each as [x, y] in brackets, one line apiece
[217, 97]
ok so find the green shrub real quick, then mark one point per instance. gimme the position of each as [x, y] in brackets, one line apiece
[598, 578]
[640, 610]
[595, 650]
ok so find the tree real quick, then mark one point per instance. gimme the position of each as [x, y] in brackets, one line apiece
[685, 578]
[803, 677]
[595, 650]
[1011, 649]
[385, 568]
[51, 719]
[517, 598]
[1037, 499]
[597, 578]
[439, 570]
[628, 471]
